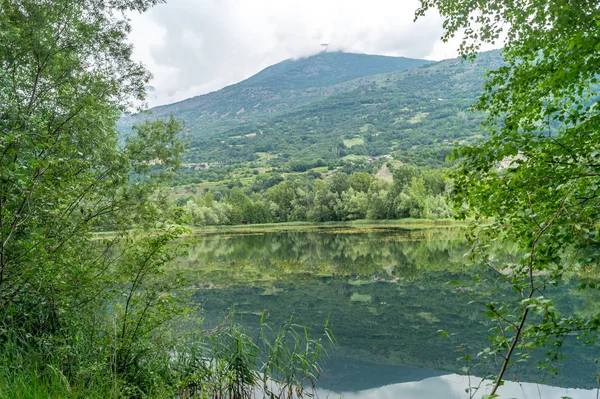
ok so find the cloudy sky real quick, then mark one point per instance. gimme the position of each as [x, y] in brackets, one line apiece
[196, 46]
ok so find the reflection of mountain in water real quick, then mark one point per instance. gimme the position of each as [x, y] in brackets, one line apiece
[385, 294]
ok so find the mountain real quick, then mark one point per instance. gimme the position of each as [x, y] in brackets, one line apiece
[327, 69]
[279, 88]
[415, 115]
[336, 107]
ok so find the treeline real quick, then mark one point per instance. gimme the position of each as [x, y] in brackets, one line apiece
[338, 196]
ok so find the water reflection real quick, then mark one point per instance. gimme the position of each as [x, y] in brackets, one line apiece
[453, 387]
[384, 253]
[384, 292]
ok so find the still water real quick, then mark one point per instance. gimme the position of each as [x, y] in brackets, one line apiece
[386, 296]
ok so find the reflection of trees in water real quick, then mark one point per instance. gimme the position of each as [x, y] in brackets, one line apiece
[393, 254]
[389, 323]
[385, 292]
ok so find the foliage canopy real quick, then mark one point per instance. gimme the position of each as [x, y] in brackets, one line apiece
[538, 175]
[81, 312]
[66, 78]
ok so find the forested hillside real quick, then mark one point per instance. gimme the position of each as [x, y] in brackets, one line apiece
[278, 89]
[308, 113]
[357, 115]
[411, 114]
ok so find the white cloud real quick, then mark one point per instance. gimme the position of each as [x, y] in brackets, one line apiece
[196, 46]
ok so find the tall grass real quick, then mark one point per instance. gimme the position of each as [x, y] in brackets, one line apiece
[228, 362]
[234, 362]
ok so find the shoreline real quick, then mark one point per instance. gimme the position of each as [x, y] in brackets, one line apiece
[407, 224]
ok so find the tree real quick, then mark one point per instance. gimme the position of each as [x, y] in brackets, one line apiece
[361, 181]
[240, 203]
[282, 196]
[302, 203]
[355, 204]
[538, 174]
[402, 178]
[338, 183]
[83, 309]
[325, 203]
[66, 77]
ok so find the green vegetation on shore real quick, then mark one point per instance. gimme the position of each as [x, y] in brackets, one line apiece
[538, 174]
[83, 316]
[337, 196]
[406, 223]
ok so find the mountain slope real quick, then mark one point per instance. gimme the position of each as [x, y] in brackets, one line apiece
[279, 88]
[419, 111]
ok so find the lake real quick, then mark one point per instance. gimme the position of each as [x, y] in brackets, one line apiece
[385, 292]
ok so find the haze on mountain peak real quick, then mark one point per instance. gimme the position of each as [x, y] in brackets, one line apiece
[328, 68]
[290, 83]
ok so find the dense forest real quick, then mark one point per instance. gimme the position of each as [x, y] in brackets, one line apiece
[413, 193]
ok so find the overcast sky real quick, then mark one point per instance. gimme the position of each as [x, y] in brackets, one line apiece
[196, 46]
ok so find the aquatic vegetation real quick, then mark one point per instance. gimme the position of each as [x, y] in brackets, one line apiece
[385, 292]
[356, 297]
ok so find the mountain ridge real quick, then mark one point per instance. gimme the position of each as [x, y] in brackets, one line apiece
[277, 88]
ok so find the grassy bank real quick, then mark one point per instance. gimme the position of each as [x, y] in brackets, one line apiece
[408, 223]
